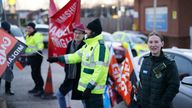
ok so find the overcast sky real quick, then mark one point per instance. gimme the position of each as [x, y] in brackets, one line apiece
[44, 4]
[37, 4]
[34, 4]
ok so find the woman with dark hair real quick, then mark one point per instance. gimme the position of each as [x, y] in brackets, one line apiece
[159, 81]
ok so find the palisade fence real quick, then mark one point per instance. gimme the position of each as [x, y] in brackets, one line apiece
[111, 25]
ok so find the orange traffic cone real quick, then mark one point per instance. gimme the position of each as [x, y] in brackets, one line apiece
[48, 91]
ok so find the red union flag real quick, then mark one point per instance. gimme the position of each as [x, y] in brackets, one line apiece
[119, 81]
[10, 50]
[52, 8]
[129, 77]
[125, 77]
[60, 27]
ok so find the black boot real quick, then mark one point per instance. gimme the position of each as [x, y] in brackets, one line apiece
[32, 91]
[39, 93]
[9, 92]
[8, 88]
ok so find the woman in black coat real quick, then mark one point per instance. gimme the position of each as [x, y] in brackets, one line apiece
[159, 81]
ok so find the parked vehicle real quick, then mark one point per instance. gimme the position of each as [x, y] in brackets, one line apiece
[117, 46]
[137, 34]
[44, 29]
[181, 56]
[17, 33]
[136, 41]
[184, 98]
[108, 38]
[183, 59]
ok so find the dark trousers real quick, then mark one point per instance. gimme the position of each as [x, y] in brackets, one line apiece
[66, 86]
[35, 62]
[7, 85]
[94, 101]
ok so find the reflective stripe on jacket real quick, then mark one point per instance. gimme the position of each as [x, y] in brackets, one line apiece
[94, 58]
[34, 43]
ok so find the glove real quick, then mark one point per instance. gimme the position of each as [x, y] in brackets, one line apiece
[52, 59]
[86, 93]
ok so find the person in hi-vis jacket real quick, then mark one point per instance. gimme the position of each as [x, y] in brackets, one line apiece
[94, 58]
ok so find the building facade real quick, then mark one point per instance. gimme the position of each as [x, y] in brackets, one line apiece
[173, 20]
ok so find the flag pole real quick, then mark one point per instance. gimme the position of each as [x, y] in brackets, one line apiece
[40, 54]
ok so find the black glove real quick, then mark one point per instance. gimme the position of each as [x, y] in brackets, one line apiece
[52, 59]
[86, 93]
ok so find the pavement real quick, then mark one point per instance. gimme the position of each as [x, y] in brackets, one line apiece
[23, 82]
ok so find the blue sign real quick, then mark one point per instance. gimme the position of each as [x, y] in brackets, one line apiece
[161, 19]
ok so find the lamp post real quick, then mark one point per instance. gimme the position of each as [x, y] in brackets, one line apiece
[119, 15]
[2, 10]
[102, 10]
[154, 15]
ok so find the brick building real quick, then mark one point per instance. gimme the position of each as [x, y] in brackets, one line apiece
[173, 20]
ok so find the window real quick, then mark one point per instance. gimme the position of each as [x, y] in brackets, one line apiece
[42, 29]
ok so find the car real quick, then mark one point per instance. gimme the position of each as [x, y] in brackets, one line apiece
[44, 29]
[183, 59]
[137, 41]
[118, 48]
[137, 34]
[108, 38]
[181, 56]
[184, 98]
[17, 33]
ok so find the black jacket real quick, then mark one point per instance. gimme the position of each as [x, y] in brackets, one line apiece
[72, 84]
[159, 82]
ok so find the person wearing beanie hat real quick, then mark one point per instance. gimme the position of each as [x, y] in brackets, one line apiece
[31, 24]
[94, 28]
[31, 29]
[34, 41]
[94, 57]
[6, 26]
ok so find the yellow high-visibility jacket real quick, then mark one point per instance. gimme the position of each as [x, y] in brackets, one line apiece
[94, 58]
[34, 43]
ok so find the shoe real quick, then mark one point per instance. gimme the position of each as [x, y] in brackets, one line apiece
[9, 93]
[33, 91]
[39, 93]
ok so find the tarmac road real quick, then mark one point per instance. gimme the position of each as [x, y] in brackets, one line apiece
[23, 82]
